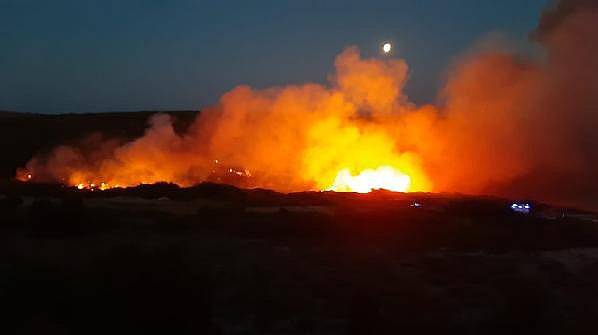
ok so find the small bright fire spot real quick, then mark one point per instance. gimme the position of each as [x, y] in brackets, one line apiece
[92, 186]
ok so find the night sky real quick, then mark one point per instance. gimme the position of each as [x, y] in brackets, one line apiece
[116, 55]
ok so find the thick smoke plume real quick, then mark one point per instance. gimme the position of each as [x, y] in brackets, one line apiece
[506, 125]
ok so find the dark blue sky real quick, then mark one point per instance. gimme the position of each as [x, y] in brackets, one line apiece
[115, 55]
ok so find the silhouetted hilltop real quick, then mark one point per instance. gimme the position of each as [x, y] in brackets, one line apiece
[11, 114]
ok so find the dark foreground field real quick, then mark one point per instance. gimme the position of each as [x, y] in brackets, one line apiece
[218, 260]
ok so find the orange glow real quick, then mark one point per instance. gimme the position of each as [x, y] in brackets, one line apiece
[368, 180]
[504, 124]
[295, 138]
[360, 132]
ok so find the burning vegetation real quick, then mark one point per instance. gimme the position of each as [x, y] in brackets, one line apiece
[505, 124]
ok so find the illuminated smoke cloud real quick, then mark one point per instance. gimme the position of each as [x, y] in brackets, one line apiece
[506, 125]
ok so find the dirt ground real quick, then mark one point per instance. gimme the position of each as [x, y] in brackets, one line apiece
[220, 261]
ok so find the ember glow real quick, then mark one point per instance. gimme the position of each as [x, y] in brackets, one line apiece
[505, 124]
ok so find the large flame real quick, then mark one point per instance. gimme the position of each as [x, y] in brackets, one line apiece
[288, 139]
[506, 125]
[385, 177]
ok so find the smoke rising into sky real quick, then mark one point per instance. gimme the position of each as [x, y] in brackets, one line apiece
[506, 125]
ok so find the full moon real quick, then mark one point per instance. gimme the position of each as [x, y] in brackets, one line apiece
[387, 47]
